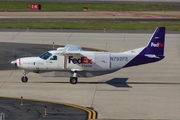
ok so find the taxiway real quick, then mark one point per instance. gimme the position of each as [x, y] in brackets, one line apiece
[144, 92]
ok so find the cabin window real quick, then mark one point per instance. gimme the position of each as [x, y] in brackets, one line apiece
[45, 55]
[53, 58]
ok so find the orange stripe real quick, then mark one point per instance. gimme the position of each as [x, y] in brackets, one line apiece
[19, 61]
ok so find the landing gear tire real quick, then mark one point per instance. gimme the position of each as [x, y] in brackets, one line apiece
[24, 79]
[73, 80]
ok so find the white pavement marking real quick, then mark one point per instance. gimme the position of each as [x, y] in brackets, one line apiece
[152, 99]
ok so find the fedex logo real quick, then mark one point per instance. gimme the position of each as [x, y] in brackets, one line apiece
[82, 60]
[157, 44]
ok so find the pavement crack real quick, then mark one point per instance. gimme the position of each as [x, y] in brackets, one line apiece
[39, 114]
[15, 35]
[178, 42]
[94, 94]
[28, 110]
[69, 37]
[1, 108]
[124, 37]
[16, 107]
[6, 80]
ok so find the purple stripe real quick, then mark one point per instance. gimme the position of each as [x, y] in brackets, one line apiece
[141, 59]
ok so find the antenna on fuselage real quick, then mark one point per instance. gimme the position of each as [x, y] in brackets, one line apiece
[121, 50]
[53, 45]
[106, 46]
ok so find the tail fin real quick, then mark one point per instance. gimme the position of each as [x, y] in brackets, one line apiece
[153, 52]
[156, 43]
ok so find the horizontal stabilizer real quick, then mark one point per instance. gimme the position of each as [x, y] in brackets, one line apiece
[152, 56]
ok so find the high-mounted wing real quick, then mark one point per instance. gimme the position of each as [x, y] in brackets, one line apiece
[70, 50]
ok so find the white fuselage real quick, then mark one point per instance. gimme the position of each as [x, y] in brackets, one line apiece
[87, 61]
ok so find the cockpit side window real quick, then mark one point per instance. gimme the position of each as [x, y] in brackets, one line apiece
[53, 58]
[45, 55]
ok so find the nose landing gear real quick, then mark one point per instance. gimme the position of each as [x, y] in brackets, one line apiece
[24, 78]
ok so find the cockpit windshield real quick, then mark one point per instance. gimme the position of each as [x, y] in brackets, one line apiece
[45, 55]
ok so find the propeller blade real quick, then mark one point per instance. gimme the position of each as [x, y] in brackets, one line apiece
[14, 62]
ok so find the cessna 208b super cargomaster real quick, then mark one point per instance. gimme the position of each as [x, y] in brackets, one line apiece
[71, 61]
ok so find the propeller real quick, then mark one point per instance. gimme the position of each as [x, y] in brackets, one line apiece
[14, 62]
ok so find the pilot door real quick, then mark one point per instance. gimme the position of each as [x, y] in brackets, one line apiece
[61, 63]
[52, 63]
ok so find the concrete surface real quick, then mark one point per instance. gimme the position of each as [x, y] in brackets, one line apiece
[98, 14]
[148, 91]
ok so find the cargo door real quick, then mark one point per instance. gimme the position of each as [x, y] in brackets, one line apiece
[102, 61]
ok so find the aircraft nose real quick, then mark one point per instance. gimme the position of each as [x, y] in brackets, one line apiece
[14, 62]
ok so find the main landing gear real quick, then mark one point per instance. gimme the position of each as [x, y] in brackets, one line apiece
[24, 78]
[74, 78]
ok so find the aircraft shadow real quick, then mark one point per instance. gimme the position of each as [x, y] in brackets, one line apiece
[116, 82]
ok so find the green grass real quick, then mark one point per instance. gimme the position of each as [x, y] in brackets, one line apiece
[100, 6]
[175, 26]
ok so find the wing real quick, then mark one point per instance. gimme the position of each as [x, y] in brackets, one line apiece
[70, 47]
[70, 50]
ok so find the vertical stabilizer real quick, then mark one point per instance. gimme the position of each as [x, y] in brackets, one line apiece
[153, 51]
[156, 43]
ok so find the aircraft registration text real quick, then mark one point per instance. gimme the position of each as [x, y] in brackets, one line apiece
[118, 58]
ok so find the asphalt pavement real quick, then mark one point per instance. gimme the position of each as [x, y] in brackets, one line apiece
[17, 109]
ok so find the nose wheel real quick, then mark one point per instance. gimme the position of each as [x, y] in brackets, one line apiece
[24, 77]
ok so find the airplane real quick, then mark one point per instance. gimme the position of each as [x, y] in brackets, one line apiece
[72, 61]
